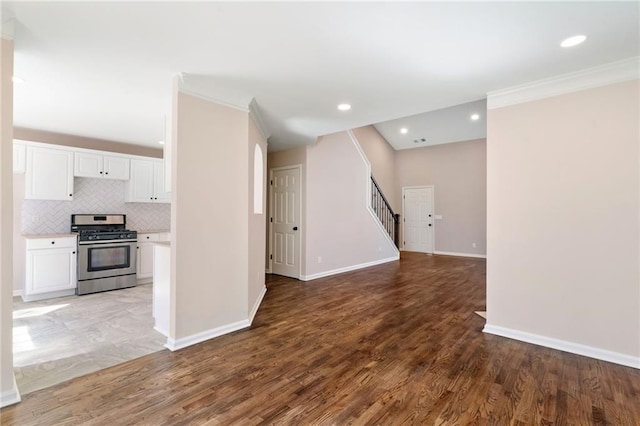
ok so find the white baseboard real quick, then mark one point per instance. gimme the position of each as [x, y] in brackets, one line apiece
[563, 345]
[451, 253]
[17, 293]
[176, 344]
[256, 305]
[347, 269]
[10, 397]
[52, 295]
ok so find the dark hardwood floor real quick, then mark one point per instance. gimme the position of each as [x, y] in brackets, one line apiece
[392, 344]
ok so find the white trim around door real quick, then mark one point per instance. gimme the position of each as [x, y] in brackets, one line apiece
[423, 229]
[299, 238]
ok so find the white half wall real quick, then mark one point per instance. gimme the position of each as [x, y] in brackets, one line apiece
[342, 233]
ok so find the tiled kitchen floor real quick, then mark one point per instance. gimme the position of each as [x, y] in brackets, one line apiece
[58, 339]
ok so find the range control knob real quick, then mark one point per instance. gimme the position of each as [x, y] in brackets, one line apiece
[131, 235]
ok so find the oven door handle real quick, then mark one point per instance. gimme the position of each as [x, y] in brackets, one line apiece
[106, 243]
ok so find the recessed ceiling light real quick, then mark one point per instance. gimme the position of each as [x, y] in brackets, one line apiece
[475, 117]
[344, 107]
[404, 130]
[161, 142]
[16, 79]
[573, 41]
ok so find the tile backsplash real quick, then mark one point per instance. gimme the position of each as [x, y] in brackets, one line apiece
[92, 196]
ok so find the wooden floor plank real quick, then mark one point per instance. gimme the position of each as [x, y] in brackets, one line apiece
[393, 344]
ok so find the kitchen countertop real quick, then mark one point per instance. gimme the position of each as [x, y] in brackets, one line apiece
[162, 243]
[154, 231]
[50, 236]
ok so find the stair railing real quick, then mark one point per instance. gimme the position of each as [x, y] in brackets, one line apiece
[389, 220]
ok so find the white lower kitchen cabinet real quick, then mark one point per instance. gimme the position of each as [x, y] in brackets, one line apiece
[162, 287]
[144, 262]
[50, 267]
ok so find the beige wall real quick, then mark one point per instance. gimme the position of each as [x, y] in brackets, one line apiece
[340, 228]
[290, 157]
[8, 392]
[257, 234]
[458, 173]
[84, 142]
[209, 252]
[382, 156]
[563, 232]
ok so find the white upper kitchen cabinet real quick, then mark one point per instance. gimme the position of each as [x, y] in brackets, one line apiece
[146, 183]
[93, 165]
[49, 174]
[160, 196]
[140, 185]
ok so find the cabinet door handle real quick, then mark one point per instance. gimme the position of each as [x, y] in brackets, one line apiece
[70, 195]
[100, 172]
[106, 173]
[73, 252]
[53, 242]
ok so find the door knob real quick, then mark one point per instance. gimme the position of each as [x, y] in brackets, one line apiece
[295, 228]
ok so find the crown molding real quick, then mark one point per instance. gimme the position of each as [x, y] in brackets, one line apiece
[254, 111]
[250, 107]
[614, 72]
[187, 86]
[244, 108]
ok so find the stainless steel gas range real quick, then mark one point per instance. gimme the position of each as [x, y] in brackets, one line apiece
[106, 252]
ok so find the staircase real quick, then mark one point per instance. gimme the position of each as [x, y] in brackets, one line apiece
[389, 220]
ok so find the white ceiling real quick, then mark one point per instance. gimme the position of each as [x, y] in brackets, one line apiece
[453, 124]
[104, 69]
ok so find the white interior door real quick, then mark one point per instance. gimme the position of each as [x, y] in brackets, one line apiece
[285, 222]
[417, 207]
